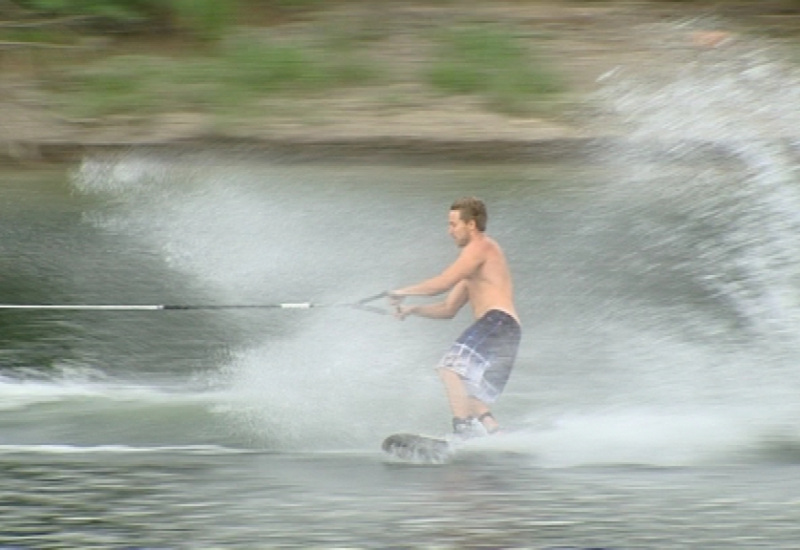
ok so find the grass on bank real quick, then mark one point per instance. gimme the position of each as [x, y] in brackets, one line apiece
[487, 62]
[492, 63]
[233, 78]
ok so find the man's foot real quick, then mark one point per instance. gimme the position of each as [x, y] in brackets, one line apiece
[467, 428]
[489, 423]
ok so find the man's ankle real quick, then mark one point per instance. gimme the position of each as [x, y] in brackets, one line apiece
[489, 422]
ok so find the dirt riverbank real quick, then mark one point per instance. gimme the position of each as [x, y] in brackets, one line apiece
[584, 41]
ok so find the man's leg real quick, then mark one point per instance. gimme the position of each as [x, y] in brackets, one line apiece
[457, 396]
[462, 405]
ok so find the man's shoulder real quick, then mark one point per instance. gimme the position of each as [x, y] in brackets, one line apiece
[488, 246]
[482, 252]
[480, 246]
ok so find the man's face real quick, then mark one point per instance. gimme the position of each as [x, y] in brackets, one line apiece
[458, 229]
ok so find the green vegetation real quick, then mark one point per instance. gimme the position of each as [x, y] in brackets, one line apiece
[232, 57]
[238, 74]
[203, 19]
[206, 19]
[115, 10]
[491, 62]
[264, 67]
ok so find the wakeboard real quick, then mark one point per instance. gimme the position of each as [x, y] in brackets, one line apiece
[419, 449]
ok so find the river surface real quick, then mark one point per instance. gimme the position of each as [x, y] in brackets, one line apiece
[653, 405]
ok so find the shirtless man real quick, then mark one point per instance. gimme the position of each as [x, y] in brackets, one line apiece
[477, 366]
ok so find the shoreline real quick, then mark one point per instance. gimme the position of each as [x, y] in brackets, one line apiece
[384, 149]
[587, 40]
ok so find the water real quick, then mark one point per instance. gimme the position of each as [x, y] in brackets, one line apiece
[654, 400]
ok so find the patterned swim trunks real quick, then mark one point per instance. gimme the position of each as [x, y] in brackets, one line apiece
[484, 354]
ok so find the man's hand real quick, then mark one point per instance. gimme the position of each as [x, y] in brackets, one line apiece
[401, 312]
[396, 301]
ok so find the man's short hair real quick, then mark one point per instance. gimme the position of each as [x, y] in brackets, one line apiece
[472, 208]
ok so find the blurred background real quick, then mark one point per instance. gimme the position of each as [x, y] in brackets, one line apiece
[102, 72]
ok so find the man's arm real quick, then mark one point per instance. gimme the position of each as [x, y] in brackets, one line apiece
[467, 263]
[445, 309]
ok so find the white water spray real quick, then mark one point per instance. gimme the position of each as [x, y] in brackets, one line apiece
[674, 313]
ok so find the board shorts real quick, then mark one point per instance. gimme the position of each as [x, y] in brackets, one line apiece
[484, 354]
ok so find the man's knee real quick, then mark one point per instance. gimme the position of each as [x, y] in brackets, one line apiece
[447, 374]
